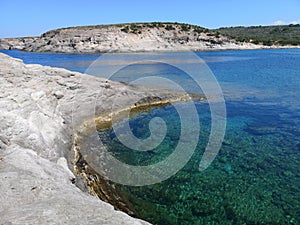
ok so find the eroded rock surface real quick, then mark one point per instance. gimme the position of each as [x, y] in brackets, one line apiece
[37, 126]
[141, 37]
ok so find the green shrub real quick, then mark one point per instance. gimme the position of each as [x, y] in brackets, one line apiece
[169, 27]
[125, 29]
[268, 42]
[199, 30]
[255, 42]
[185, 27]
[134, 28]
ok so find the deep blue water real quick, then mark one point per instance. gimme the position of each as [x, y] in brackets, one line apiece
[255, 177]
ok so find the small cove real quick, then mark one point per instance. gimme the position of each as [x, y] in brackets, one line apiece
[255, 177]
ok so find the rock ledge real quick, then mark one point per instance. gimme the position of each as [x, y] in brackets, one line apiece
[37, 126]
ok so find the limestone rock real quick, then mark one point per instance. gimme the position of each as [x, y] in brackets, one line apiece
[58, 94]
[143, 37]
[36, 138]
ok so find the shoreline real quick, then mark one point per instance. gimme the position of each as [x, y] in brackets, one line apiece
[160, 51]
[38, 122]
[134, 38]
[36, 95]
[138, 37]
[97, 185]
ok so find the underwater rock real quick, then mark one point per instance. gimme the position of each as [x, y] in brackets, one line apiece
[228, 168]
[264, 130]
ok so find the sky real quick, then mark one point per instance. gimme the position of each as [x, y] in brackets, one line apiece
[33, 17]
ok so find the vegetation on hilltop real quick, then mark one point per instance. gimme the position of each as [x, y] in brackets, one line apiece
[281, 35]
[266, 35]
[137, 28]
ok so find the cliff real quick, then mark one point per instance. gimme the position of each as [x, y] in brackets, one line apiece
[137, 37]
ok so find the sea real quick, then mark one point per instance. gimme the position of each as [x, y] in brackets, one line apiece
[255, 176]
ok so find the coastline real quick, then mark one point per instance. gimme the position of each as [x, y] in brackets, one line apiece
[39, 124]
[96, 184]
[123, 38]
[134, 38]
[260, 47]
[23, 156]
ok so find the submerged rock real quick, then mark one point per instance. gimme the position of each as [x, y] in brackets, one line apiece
[264, 130]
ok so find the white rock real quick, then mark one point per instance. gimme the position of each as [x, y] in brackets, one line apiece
[113, 39]
[58, 94]
[62, 161]
[36, 135]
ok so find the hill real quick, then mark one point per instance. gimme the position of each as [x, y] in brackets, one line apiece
[265, 35]
[133, 37]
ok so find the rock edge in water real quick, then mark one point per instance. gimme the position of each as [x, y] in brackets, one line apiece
[38, 124]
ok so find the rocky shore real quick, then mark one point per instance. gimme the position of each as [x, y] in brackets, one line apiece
[139, 37]
[38, 123]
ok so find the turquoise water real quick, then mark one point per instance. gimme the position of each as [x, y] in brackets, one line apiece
[255, 177]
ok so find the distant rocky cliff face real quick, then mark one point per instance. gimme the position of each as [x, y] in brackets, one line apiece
[140, 37]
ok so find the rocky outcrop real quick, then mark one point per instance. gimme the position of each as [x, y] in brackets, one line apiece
[37, 123]
[141, 37]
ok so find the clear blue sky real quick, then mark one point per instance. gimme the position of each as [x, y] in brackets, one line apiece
[33, 17]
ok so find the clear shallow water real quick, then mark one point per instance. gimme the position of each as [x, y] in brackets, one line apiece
[255, 177]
